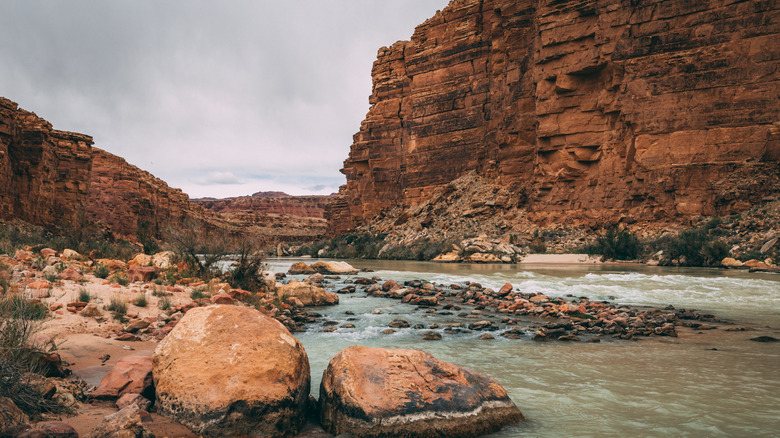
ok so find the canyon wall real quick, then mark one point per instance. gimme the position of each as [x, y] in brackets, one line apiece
[269, 202]
[58, 179]
[44, 173]
[587, 111]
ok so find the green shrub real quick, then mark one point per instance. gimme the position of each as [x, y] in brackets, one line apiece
[101, 271]
[118, 306]
[197, 294]
[616, 245]
[84, 296]
[20, 355]
[140, 300]
[120, 279]
[697, 247]
[51, 278]
[164, 303]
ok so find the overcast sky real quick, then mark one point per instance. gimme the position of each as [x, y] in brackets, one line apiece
[218, 98]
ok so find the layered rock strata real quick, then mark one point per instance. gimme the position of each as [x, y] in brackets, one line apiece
[587, 110]
[221, 384]
[376, 392]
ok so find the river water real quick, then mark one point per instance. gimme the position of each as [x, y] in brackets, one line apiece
[715, 384]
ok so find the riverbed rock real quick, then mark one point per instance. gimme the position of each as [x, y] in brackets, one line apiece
[131, 375]
[232, 371]
[382, 392]
[334, 268]
[308, 294]
[299, 268]
[57, 429]
[730, 262]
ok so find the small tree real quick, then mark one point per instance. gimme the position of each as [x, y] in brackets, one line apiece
[616, 245]
[199, 247]
[247, 271]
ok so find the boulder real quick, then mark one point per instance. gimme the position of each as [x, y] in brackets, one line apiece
[308, 294]
[382, 392]
[163, 260]
[222, 298]
[71, 274]
[390, 285]
[448, 257]
[232, 371]
[730, 262]
[91, 310]
[142, 273]
[300, 268]
[131, 375]
[71, 255]
[480, 257]
[334, 268]
[126, 423]
[141, 259]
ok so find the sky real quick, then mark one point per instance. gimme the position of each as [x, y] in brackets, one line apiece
[217, 98]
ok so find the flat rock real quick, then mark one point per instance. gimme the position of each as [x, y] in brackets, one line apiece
[334, 268]
[130, 375]
[381, 392]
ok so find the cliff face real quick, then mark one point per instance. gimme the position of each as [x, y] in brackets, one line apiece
[586, 111]
[44, 173]
[269, 202]
[56, 178]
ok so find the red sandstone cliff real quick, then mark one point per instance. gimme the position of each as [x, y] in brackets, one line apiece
[587, 111]
[58, 179]
[269, 202]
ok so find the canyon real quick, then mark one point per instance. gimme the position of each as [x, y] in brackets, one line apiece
[59, 180]
[580, 112]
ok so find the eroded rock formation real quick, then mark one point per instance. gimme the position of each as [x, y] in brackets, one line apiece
[586, 110]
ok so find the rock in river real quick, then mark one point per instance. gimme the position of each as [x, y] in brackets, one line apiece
[371, 392]
[334, 268]
[308, 294]
[232, 371]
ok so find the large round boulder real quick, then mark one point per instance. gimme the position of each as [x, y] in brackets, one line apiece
[308, 294]
[376, 392]
[232, 371]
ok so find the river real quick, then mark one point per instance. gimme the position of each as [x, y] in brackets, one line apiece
[714, 383]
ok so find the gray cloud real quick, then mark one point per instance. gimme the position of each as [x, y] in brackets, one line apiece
[269, 93]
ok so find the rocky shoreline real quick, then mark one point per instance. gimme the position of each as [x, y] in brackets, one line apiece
[127, 394]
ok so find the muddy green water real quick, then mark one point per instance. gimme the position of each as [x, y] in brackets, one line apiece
[708, 384]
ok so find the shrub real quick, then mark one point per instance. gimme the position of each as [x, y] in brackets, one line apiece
[120, 279]
[197, 294]
[84, 296]
[101, 271]
[538, 243]
[247, 270]
[51, 278]
[164, 303]
[697, 247]
[118, 306]
[616, 245]
[140, 300]
[20, 355]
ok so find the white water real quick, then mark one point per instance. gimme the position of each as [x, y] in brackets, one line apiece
[667, 387]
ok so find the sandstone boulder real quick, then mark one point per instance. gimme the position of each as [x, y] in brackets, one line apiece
[480, 257]
[380, 392]
[163, 260]
[308, 294]
[334, 268]
[141, 259]
[131, 375]
[71, 255]
[300, 268]
[142, 273]
[232, 371]
[730, 262]
[448, 257]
